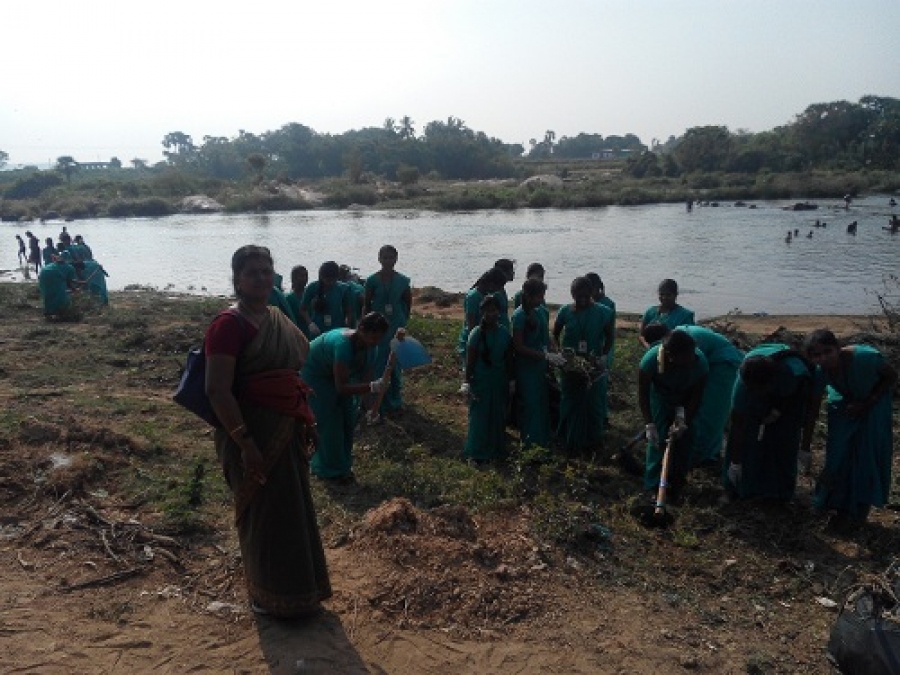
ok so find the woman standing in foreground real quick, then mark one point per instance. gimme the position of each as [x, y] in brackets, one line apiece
[339, 370]
[267, 434]
[857, 471]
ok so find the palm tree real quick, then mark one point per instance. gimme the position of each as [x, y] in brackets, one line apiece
[549, 137]
[407, 130]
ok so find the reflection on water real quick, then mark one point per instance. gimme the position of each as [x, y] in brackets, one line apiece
[723, 258]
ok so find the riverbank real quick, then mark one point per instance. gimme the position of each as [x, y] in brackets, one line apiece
[120, 552]
[127, 193]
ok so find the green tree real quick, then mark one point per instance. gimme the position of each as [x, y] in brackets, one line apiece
[180, 148]
[139, 164]
[704, 149]
[66, 165]
[4, 157]
[258, 162]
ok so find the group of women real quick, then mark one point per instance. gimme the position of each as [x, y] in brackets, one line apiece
[68, 266]
[288, 405]
[693, 384]
[285, 374]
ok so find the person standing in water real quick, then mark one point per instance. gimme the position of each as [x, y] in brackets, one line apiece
[23, 251]
[389, 293]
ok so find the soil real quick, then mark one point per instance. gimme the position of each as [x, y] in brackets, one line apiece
[96, 578]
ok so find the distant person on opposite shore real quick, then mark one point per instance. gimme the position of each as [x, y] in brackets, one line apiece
[23, 251]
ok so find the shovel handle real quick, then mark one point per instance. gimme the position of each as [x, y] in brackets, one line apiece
[664, 478]
[386, 378]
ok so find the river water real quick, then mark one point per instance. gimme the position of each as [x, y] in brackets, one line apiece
[724, 258]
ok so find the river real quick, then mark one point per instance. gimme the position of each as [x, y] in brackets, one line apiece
[723, 258]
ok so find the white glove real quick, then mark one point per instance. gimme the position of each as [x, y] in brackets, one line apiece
[772, 417]
[804, 460]
[314, 329]
[555, 358]
[512, 387]
[679, 428]
[735, 472]
[372, 417]
[377, 386]
[464, 389]
[651, 433]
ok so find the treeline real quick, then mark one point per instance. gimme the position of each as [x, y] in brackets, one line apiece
[448, 150]
[829, 149]
[837, 136]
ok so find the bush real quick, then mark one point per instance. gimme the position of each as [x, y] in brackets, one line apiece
[408, 175]
[76, 207]
[151, 206]
[33, 185]
[265, 202]
[343, 197]
[13, 212]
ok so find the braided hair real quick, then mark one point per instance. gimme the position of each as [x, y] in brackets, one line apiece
[489, 301]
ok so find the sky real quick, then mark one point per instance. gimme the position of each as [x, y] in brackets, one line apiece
[95, 78]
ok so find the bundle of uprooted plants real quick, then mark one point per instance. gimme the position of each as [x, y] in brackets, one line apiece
[587, 369]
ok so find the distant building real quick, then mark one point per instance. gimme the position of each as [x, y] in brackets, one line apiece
[94, 166]
[612, 153]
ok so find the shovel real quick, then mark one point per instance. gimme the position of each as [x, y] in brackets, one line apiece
[410, 353]
[658, 515]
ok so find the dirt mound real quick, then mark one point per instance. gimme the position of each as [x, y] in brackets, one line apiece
[442, 569]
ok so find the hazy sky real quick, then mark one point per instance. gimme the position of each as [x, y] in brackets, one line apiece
[96, 79]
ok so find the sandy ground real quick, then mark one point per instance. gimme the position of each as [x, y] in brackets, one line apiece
[400, 597]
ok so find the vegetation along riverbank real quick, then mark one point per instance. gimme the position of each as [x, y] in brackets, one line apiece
[119, 550]
[828, 151]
